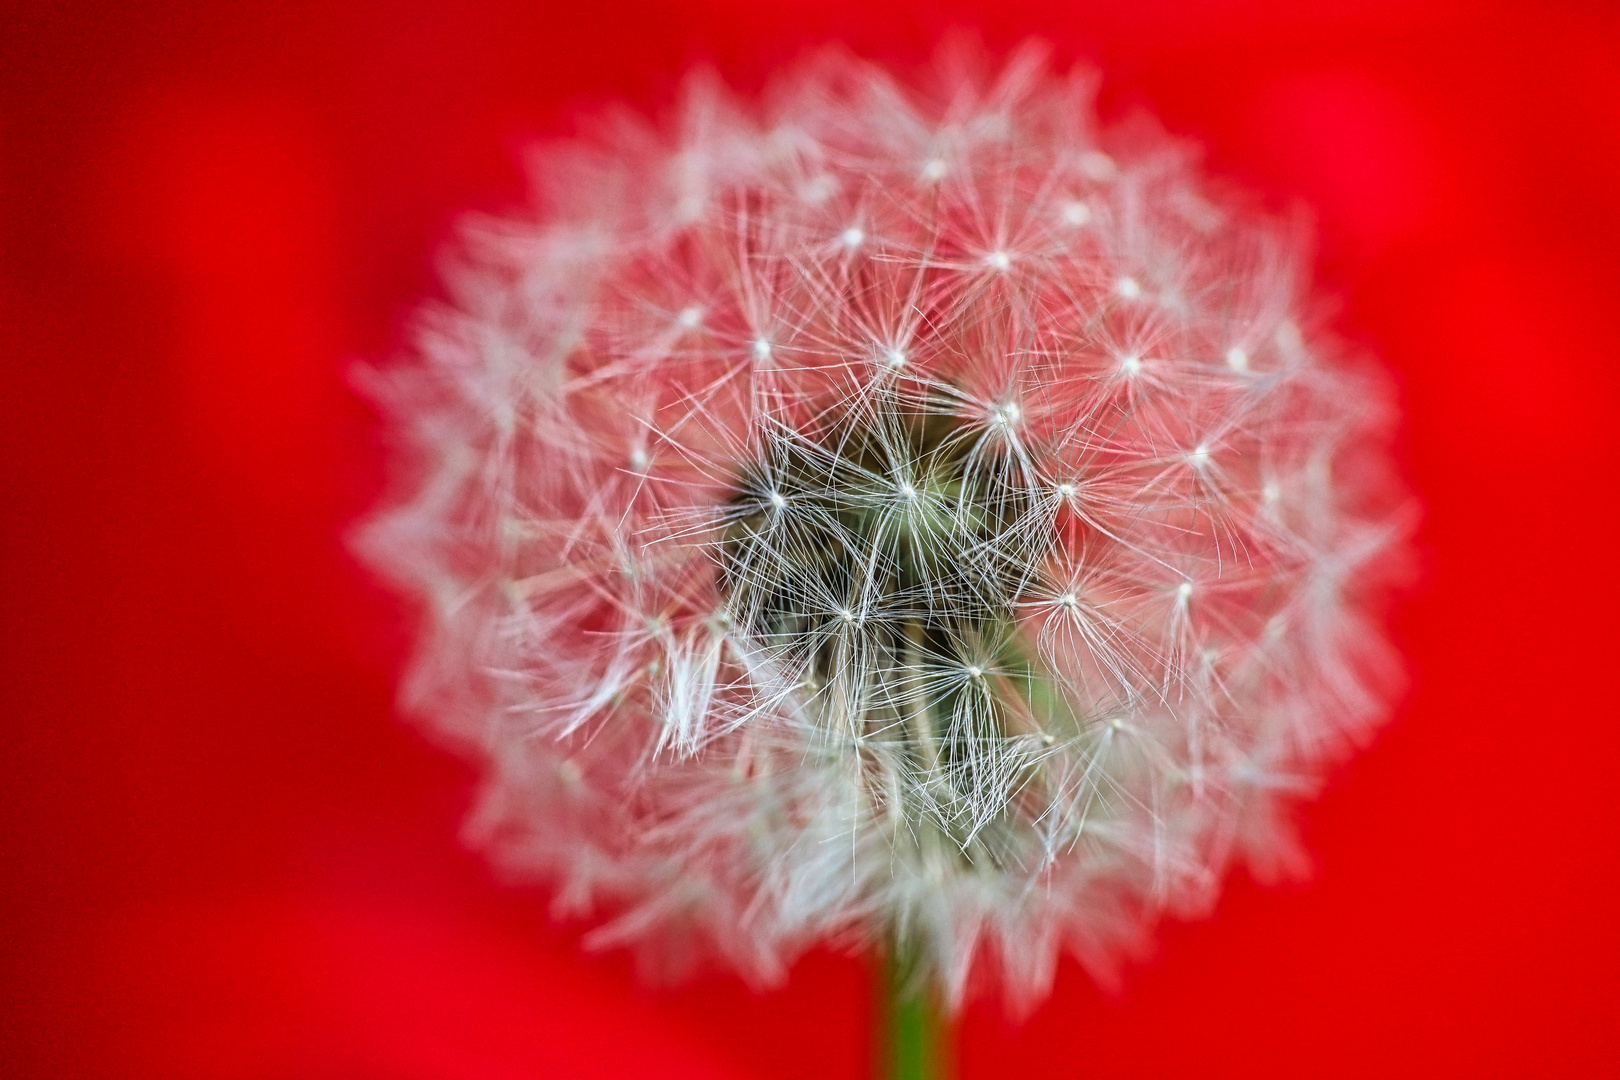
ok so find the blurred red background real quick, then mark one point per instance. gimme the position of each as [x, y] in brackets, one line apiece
[224, 857]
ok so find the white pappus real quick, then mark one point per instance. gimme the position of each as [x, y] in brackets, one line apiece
[879, 513]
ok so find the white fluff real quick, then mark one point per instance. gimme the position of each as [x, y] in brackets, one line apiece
[749, 667]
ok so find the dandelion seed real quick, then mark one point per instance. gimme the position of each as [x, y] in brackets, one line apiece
[1128, 288]
[1076, 214]
[1098, 166]
[998, 261]
[1288, 338]
[851, 237]
[1237, 359]
[818, 190]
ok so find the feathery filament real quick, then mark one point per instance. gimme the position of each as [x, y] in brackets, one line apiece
[879, 513]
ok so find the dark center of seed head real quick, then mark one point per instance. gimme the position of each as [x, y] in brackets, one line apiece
[871, 560]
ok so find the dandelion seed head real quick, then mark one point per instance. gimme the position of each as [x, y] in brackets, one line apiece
[798, 628]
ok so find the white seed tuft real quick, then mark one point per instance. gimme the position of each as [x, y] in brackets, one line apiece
[857, 654]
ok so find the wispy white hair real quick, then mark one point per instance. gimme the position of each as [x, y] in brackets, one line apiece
[1144, 558]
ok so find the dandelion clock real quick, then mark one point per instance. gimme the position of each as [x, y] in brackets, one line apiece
[911, 517]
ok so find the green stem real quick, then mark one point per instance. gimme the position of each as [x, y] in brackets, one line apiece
[913, 1026]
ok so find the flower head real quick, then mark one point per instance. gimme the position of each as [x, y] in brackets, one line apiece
[875, 513]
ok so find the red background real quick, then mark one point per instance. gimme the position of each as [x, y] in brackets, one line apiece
[223, 857]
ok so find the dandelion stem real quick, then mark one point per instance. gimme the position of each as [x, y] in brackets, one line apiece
[912, 1026]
